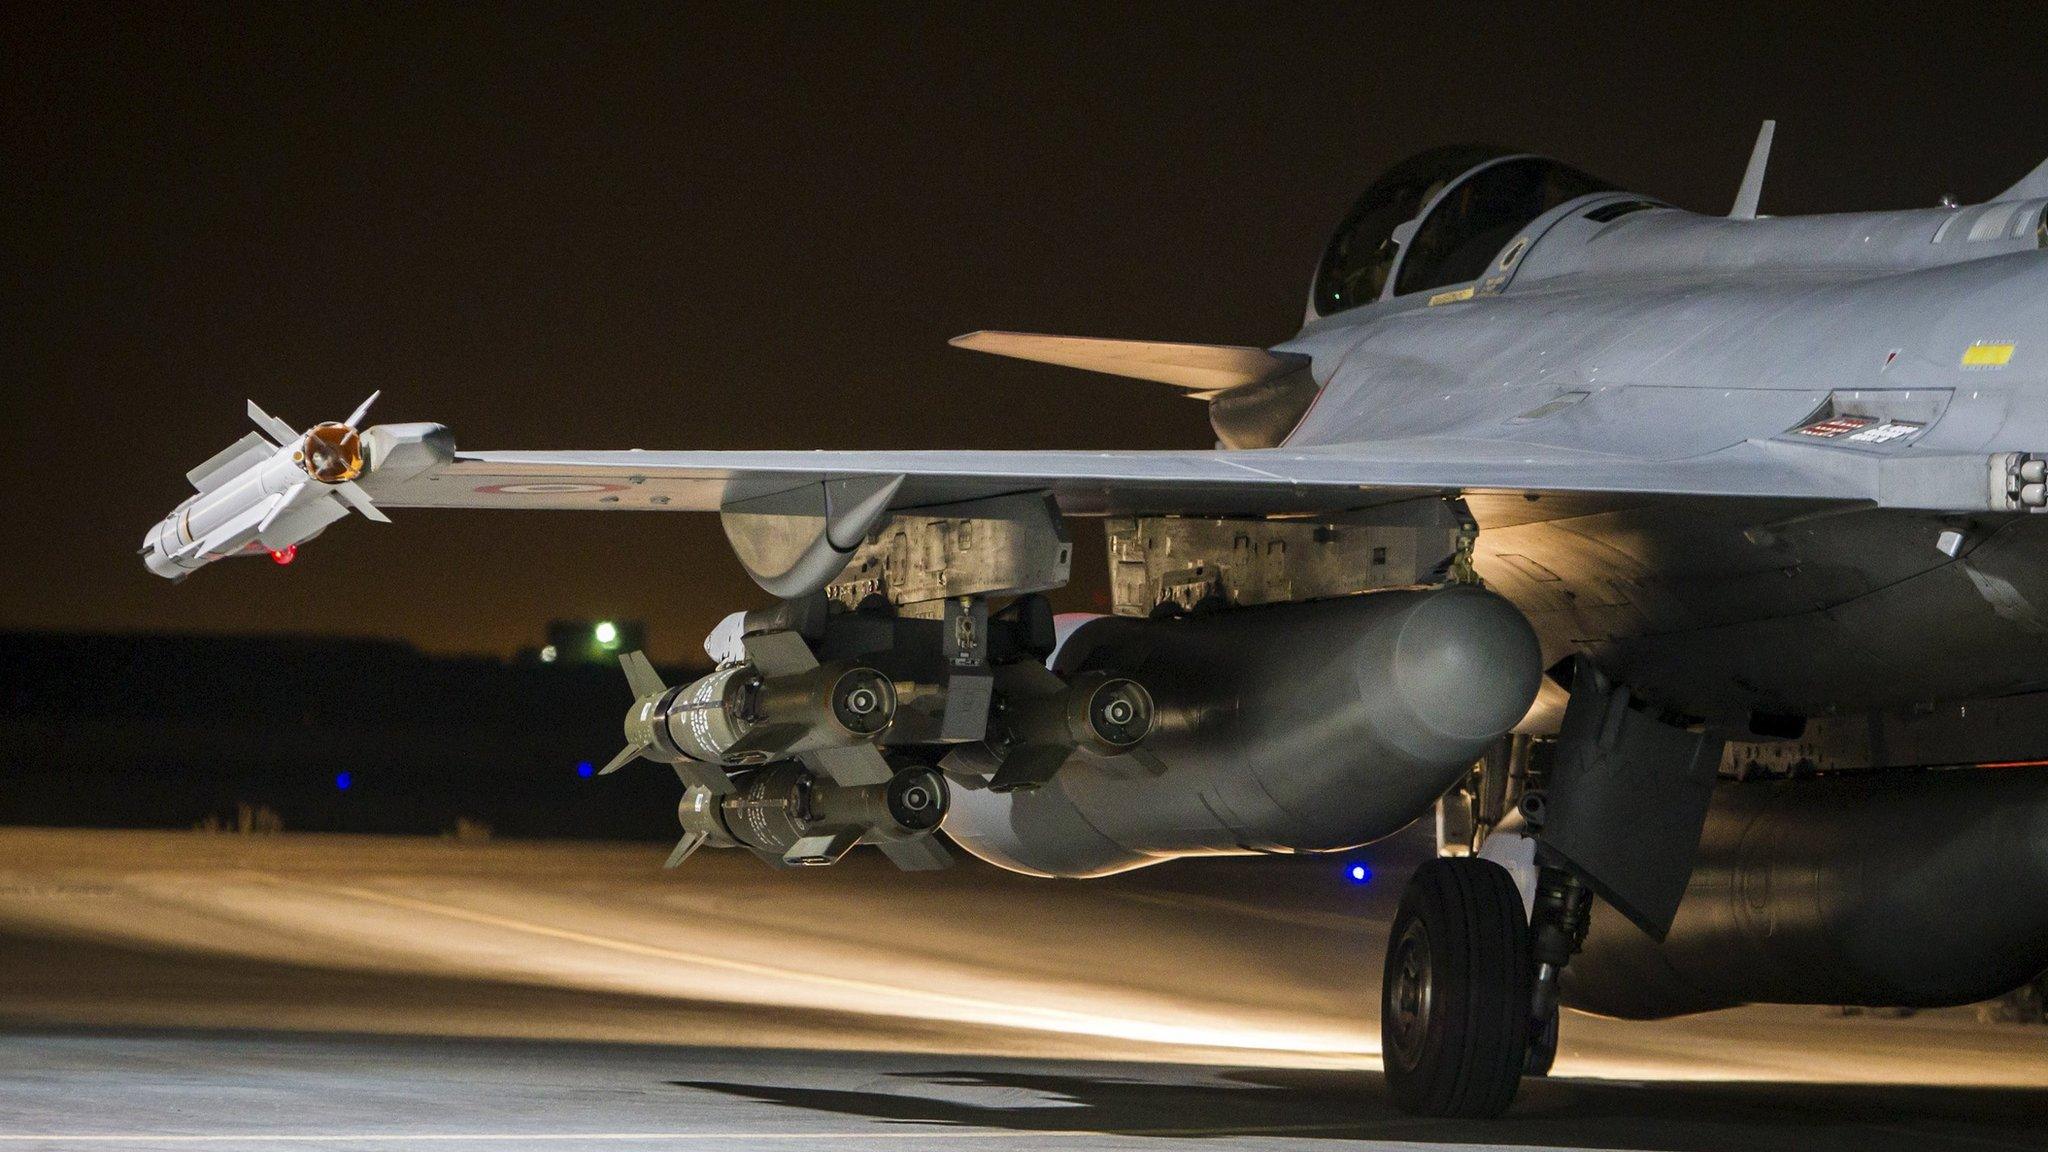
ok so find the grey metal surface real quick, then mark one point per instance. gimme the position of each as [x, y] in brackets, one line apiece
[1275, 480]
[1284, 728]
[792, 540]
[1914, 889]
[1751, 191]
[2008, 730]
[2033, 185]
[1625, 798]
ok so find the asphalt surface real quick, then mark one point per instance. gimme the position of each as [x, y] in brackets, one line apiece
[169, 990]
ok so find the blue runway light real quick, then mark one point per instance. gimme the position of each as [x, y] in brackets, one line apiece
[1359, 874]
[343, 779]
[584, 769]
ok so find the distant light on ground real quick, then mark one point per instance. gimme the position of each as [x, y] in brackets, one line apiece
[342, 780]
[548, 654]
[584, 769]
[607, 633]
[1359, 874]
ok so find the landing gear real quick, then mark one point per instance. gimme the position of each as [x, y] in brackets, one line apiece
[1557, 929]
[1542, 1047]
[1455, 1002]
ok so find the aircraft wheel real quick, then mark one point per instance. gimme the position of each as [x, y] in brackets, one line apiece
[1542, 1048]
[1454, 1004]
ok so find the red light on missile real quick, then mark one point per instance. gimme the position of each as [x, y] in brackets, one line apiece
[286, 554]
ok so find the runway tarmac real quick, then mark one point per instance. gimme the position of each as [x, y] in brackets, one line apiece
[180, 990]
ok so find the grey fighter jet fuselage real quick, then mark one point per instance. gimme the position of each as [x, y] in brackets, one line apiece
[1614, 326]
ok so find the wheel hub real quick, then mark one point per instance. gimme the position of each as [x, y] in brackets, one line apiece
[1412, 995]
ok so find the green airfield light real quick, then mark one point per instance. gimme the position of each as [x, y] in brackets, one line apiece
[607, 634]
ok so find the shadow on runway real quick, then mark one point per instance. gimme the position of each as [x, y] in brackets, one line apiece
[1669, 1117]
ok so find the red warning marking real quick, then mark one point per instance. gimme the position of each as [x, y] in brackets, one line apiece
[1838, 426]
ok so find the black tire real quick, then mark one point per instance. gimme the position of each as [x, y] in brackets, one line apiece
[1542, 1048]
[1454, 1002]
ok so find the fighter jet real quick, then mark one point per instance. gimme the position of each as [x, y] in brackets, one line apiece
[1688, 569]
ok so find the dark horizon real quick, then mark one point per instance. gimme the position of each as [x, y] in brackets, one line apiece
[756, 228]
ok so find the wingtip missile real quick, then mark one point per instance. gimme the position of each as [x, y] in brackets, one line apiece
[272, 491]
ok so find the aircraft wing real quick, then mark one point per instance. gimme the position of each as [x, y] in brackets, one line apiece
[1267, 481]
[795, 516]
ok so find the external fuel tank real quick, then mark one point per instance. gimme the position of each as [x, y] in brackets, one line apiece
[1301, 727]
[1886, 889]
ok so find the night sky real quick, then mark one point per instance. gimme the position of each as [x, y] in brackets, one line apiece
[756, 227]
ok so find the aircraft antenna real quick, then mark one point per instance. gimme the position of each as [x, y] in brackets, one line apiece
[1752, 188]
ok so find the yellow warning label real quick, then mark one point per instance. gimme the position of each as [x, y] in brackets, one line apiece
[1466, 294]
[1982, 355]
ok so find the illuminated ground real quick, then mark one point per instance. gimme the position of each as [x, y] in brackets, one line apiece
[181, 990]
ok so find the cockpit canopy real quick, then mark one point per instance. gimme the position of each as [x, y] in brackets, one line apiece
[1476, 201]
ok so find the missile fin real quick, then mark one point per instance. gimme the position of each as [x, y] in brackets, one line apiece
[279, 506]
[707, 776]
[685, 848]
[969, 693]
[1028, 766]
[640, 674]
[627, 755]
[779, 653]
[823, 848]
[252, 449]
[924, 854]
[766, 741]
[850, 766]
[353, 495]
[971, 765]
[356, 417]
[282, 432]
[1030, 678]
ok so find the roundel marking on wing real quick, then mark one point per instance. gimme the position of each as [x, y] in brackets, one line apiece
[548, 489]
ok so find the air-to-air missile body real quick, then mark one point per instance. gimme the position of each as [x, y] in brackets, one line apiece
[1567, 514]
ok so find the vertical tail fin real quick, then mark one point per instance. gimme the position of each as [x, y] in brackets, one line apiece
[2033, 186]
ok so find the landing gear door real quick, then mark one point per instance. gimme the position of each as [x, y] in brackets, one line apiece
[1626, 800]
